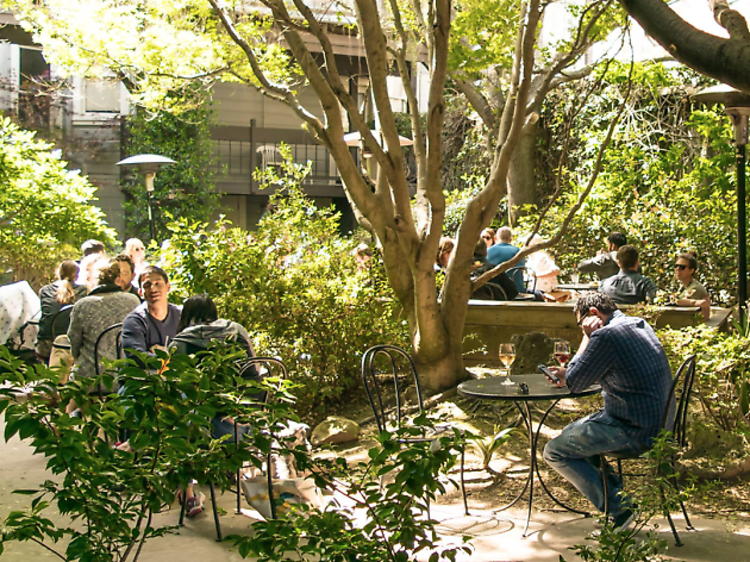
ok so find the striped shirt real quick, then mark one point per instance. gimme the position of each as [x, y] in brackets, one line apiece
[628, 361]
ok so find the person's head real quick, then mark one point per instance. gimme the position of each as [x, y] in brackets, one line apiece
[88, 270]
[488, 237]
[154, 283]
[109, 271]
[685, 267]
[92, 247]
[616, 240]
[505, 235]
[627, 257]
[597, 304]
[67, 273]
[480, 249]
[444, 251]
[196, 311]
[136, 250]
[127, 271]
[362, 255]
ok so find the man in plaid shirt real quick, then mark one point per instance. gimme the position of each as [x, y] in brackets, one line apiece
[624, 356]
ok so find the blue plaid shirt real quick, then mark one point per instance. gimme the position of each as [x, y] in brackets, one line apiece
[627, 360]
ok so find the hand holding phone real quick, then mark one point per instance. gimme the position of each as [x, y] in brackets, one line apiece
[549, 374]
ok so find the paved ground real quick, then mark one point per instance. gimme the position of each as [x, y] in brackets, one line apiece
[497, 537]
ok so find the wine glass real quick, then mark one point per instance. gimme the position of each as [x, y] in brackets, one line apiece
[562, 352]
[507, 356]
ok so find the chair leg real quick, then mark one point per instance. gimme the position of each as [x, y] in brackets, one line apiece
[238, 491]
[216, 512]
[183, 505]
[677, 540]
[605, 486]
[463, 483]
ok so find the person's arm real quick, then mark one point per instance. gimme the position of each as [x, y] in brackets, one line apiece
[75, 332]
[594, 264]
[134, 334]
[593, 360]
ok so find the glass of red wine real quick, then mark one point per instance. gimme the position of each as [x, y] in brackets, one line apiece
[562, 352]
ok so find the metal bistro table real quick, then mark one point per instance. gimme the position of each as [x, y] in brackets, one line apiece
[539, 389]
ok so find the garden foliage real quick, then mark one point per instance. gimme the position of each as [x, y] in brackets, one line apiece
[668, 181]
[45, 212]
[108, 496]
[294, 284]
[185, 188]
[368, 520]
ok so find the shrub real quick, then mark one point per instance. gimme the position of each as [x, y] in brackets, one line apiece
[44, 208]
[295, 286]
[108, 495]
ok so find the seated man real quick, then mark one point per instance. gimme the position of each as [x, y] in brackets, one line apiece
[624, 356]
[503, 251]
[500, 287]
[605, 264]
[693, 293]
[153, 323]
[628, 286]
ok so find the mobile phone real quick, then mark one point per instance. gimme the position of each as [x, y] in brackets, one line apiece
[547, 373]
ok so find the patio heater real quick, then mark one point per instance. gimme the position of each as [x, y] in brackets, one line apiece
[737, 106]
[147, 165]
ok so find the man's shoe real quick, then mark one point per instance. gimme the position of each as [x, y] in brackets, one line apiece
[624, 520]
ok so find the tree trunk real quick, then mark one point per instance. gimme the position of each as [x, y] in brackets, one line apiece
[521, 178]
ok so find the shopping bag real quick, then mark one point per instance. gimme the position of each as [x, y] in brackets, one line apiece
[286, 494]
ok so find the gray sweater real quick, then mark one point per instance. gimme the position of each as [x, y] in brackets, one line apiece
[106, 305]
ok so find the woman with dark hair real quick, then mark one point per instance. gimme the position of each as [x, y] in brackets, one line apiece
[53, 297]
[199, 326]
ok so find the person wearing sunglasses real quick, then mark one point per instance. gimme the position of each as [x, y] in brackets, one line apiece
[488, 237]
[692, 293]
[623, 355]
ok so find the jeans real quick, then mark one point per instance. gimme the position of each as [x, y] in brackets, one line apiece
[575, 455]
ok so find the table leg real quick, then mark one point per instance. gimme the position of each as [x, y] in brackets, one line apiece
[536, 464]
[529, 429]
[533, 438]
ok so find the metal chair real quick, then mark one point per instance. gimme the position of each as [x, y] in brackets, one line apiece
[61, 321]
[525, 276]
[684, 379]
[248, 371]
[394, 357]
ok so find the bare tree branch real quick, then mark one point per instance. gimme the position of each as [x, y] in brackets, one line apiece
[731, 20]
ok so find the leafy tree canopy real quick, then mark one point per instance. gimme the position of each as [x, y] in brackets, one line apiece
[43, 205]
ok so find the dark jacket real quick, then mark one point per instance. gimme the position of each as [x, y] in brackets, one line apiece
[196, 338]
[501, 287]
[51, 306]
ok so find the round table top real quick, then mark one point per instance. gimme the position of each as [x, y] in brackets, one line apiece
[539, 389]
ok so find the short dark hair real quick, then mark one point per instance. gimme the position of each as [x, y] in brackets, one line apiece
[153, 269]
[480, 249]
[627, 257]
[197, 310]
[92, 247]
[603, 303]
[618, 239]
[692, 259]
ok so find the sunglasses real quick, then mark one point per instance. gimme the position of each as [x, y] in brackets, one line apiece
[680, 266]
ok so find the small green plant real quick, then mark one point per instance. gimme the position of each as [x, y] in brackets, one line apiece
[394, 523]
[486, 445]
[107, 495]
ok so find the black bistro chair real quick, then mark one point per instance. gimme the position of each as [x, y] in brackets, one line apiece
[523, 276]
[389, 370]
[249, 370]
[681, 388]
[61, 321]
[113, 331]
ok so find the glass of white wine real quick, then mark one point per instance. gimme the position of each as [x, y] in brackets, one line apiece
[507, 356]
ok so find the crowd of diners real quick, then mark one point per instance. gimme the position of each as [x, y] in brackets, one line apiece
[617, 268]
[125, 289]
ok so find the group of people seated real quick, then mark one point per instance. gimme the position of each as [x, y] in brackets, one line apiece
[617, 268]
[149, 322]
